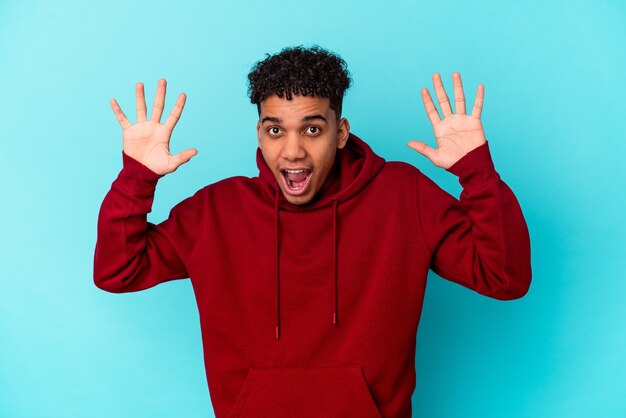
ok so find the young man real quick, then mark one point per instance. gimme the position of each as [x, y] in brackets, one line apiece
[310, 278]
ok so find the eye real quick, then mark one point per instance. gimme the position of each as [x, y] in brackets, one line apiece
[314, 130]
[273, 130]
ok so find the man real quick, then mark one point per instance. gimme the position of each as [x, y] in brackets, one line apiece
[310, 278]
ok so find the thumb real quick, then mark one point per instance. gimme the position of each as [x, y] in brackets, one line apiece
[184, 156]
[425, 150]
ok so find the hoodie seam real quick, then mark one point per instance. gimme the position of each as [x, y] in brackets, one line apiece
[418, 214]
[507, 282]
[193, 255]
[125, 221]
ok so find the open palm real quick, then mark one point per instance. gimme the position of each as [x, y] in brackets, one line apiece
[147, 141]
[457, 133]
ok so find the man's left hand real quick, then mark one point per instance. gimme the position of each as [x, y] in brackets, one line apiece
[457, 133]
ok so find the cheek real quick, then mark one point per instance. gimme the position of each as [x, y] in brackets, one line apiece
[325, 158]
[269, 152]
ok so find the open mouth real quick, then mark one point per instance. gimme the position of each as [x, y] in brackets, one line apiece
[296, 181]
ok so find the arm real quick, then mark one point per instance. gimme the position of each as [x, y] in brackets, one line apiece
[132, 254]
[481, 241]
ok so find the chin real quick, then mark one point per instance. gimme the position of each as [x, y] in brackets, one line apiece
[297, 200]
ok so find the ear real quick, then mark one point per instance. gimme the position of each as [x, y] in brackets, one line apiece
[258, 133]
[343, 132]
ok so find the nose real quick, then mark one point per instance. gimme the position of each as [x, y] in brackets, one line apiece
[293, 148]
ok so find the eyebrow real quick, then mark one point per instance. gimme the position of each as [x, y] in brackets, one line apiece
[307, 118]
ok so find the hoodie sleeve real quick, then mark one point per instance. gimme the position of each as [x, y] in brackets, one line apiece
[132, 254]
[482, 241]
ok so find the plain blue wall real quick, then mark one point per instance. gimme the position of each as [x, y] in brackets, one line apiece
[554, 116]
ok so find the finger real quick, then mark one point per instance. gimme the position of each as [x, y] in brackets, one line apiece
[121, 117]
[459, 97]
[159, 101]
[431, 110]
[478, 103]
[425, 150]
[140, 100]
[176, 112]
[442, 97]
[183, 156]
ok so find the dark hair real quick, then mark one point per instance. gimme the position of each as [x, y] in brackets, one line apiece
[310, 71]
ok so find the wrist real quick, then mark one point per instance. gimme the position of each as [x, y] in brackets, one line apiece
[475, 169]
[137, 169]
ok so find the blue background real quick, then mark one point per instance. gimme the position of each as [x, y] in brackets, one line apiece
[553, 113]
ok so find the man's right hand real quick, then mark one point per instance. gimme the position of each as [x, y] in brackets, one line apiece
[148, 141]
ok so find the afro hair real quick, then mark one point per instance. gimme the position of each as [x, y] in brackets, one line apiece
[296, 70]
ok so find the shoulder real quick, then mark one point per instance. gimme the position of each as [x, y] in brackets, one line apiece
[399, 169]
[225, 187]
[233, 189]
[230, 185]
[396, 178]
[399, 175]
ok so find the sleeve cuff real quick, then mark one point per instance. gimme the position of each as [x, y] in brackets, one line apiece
[475, 169]
[136, 177]
[137, 169]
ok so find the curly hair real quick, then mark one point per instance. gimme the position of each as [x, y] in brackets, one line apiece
[310, 71]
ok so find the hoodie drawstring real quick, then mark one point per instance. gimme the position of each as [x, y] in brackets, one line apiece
[277, 248]
[336, 313]
[276, 224]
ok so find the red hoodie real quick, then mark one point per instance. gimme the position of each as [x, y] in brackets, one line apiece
[312, 311]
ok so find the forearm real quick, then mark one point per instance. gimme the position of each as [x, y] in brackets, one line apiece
[132, 254]
[481, 241]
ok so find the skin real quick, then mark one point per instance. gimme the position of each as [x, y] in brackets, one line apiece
[457, 133]
[148, 140]
[300, 133]
[288, 141]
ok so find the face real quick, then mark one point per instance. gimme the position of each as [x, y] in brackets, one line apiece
[299, 139]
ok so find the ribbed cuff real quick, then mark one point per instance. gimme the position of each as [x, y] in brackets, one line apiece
[475, 169]
[137, 176]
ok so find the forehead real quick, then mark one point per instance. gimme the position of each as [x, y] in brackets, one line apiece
[295, 108]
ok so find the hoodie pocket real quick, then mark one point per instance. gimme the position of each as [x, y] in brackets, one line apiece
[329, 392]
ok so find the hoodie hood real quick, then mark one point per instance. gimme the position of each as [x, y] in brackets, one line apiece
[354, 166]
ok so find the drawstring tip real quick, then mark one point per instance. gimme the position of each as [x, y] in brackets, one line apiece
[334, 318]
[277, 333]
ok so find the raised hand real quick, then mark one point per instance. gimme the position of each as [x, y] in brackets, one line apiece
[458, 133]
[148, 141]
